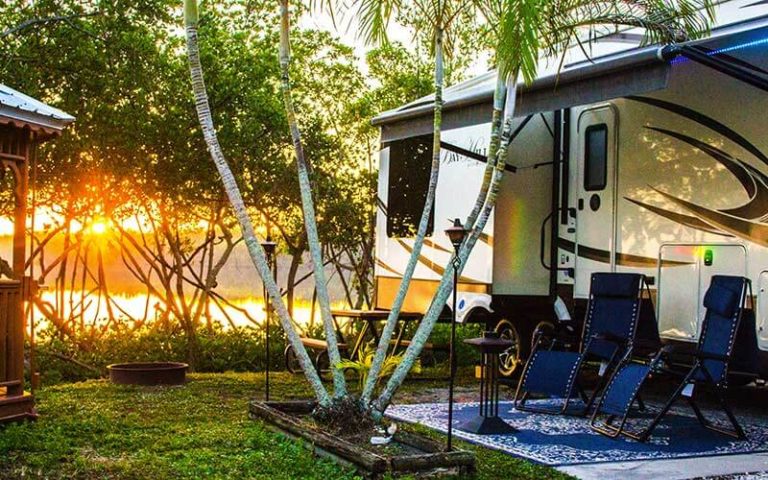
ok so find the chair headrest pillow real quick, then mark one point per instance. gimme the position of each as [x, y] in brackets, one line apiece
[721, 300]
[619, 285]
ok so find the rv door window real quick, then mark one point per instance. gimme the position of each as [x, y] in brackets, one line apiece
[410, 161]
[595, 157]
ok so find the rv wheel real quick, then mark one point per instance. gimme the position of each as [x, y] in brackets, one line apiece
[510, 358]
[291, 360]
[545, 330]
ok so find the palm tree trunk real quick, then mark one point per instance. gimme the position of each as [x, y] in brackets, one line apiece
[233, 192]
[499, 96]
[394, 314]
[308, 207]
[444, 290]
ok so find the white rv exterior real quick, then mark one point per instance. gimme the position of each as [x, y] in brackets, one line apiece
[668, 177]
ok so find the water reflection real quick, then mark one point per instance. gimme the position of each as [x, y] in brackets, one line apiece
[138, 307]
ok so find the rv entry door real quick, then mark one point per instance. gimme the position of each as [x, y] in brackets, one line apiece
[595, 188]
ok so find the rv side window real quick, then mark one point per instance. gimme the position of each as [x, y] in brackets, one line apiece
[409, 166]
[595, 157]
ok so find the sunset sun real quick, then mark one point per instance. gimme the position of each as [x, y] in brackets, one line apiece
[99, 227]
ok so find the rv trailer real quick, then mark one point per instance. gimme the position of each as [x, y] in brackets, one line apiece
[642, 159]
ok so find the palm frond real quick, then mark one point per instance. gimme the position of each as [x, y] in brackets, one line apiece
[362, 366]
[373, 18]
[519, 41]
[528, 28]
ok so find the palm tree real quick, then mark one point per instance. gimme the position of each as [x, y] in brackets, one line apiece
[524, 29]
[308, 207]
[233, 193]
[439, 16]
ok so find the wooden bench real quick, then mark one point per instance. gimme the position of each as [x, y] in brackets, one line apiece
[319, 344]
[440, 347]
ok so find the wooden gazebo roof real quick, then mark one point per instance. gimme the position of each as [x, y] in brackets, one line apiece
[23, 111]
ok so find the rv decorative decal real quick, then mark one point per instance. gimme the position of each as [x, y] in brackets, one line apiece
[708, 122]
[623, 259]
[744, 221]
[680, 218]
[753, 231]
[431, 265]
[386, 267]
[437, 247]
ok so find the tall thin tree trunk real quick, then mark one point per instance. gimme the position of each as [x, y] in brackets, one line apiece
[290, 281]
[308, 207]
[233, 192]
[394, 314]
[444, 290]
[499, 96]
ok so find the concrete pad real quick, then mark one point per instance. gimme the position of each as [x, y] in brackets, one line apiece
[671, 469]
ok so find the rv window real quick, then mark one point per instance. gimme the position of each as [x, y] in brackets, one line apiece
[409, 166]
[595, 157]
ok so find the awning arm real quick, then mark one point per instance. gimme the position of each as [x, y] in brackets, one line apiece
[702, 57]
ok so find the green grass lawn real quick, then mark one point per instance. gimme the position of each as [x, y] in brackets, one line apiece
[95, 430]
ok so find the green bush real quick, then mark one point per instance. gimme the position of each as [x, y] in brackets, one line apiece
[87, 354]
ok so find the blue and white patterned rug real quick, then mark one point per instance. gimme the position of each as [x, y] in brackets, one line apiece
[559, 440]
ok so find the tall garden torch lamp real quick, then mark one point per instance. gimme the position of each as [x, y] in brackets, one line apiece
[456, 234]
[269, 249]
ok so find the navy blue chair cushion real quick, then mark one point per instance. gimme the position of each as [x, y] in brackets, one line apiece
[551, 373]
[624, 285]
[618, 396]
[614, 301]
[721, 300]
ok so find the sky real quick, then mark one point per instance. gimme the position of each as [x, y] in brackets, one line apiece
[346, 31]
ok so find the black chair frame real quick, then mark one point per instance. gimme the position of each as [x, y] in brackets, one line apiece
[657, 365]
[620, 345]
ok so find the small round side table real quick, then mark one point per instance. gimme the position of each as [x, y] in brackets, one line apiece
[488, 421]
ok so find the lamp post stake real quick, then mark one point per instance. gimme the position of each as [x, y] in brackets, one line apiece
[269, 250]
[456, 234]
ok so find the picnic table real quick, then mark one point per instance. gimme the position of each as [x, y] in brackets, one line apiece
[351, 343]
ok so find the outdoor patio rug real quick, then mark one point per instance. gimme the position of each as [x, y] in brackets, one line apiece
[558, 440]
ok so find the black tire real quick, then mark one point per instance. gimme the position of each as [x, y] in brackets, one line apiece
[545, 328]
[291, 360]
[510, 361]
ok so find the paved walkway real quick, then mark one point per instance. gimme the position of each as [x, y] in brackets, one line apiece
[719, 467]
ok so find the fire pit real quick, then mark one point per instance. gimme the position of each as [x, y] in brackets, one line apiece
[149, 373]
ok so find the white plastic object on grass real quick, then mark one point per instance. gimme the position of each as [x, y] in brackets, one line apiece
[384, 440]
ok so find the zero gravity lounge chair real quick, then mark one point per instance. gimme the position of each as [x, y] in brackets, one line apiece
[725, 302]
[610, 325]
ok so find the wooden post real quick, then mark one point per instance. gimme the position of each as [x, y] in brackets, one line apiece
[16, 318]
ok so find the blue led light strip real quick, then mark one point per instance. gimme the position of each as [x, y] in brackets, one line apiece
[732, 48]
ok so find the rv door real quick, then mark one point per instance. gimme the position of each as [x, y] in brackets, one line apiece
[595, 188]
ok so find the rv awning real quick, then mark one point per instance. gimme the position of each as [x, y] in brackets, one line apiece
[631, 72]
